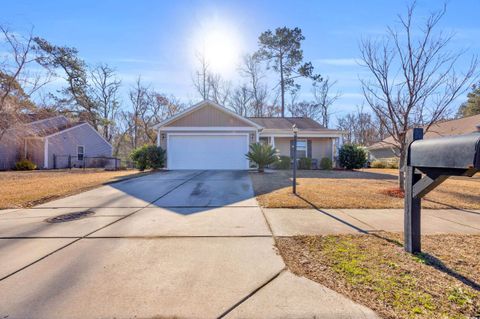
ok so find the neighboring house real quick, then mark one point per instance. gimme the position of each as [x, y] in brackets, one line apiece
[209, 136]
[53, 142]
[465, 125]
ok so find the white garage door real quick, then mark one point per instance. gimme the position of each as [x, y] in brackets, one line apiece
[207, 151]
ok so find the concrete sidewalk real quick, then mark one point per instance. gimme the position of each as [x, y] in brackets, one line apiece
[291, 222]
[184, 244]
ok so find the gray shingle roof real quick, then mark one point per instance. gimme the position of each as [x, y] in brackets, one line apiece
[459, 126]
[285, 123]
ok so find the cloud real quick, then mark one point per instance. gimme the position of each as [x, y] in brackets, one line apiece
[339, 62]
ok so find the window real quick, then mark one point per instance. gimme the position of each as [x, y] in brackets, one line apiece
[263, 140]
[80, 152]
[301, 148]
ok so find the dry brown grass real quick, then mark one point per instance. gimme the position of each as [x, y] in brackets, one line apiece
[375, 271]
[356, 189]
[25, 189]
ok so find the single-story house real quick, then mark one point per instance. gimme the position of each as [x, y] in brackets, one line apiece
[386, 148]
[210, 136]
[53, 142]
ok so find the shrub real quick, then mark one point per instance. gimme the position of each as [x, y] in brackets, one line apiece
[305, 163]
[283, 162]
[148, 156]
[262, 155]
[378, 164]
[25, 165]
[326, 163]
[352, 156]
[393, 163]
[385, 163]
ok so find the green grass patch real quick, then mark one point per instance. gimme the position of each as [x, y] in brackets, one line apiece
[378, 273]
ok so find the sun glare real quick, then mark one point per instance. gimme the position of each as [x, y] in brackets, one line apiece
[219, 43]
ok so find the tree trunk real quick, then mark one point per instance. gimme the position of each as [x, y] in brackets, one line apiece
[282, 87]
[401, 172]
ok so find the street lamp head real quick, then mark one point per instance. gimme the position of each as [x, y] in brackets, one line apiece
[294, 128]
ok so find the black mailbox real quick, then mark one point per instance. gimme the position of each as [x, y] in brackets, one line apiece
[428, 164]
[458, 152]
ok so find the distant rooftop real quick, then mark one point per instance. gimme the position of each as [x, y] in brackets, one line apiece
[459, 126]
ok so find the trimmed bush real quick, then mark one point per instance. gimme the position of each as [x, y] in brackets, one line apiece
[305, 163]
[378, 164]
[262, 155]
[25, 165]
[148, 156]
[393, 163]
[283, 162]
[326, 163]
[385, 163]
[352, 156]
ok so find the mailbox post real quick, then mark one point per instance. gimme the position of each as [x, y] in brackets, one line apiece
[413, 205]
[428, 164]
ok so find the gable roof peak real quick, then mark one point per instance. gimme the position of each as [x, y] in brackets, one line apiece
[202, 104]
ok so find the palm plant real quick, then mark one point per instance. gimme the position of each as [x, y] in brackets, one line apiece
[262, 155]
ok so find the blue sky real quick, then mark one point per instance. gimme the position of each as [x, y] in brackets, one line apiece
[156, 39]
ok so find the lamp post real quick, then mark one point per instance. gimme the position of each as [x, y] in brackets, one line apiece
[295, 131]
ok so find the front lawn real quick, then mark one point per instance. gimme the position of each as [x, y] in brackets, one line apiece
[26, 189]
[356, 189]
[374, 270]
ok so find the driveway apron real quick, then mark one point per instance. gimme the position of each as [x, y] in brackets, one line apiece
[186, 244]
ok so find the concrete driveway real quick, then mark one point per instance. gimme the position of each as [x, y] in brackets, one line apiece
[183, 244]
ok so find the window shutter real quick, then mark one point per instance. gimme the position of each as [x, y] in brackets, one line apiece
[291, 149]
[309, 148]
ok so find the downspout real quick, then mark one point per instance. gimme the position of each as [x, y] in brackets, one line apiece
[45, 153]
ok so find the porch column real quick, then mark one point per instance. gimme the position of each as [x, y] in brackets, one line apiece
[25, 148]
[272, 141]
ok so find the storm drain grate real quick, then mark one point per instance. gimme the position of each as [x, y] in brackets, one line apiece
[69, 217]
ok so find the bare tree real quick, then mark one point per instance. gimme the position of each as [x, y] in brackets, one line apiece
[140, 100]
[414, 77]
[201, 77]
[105, 88]
[17, 80]
[304, 109]
[219, 89]
[319, 108]
[146, 108]
[240, 101]
[252, 70]
[347, 124]
[324, 100]
[362, 128]
[166, 106]
[271, 109]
